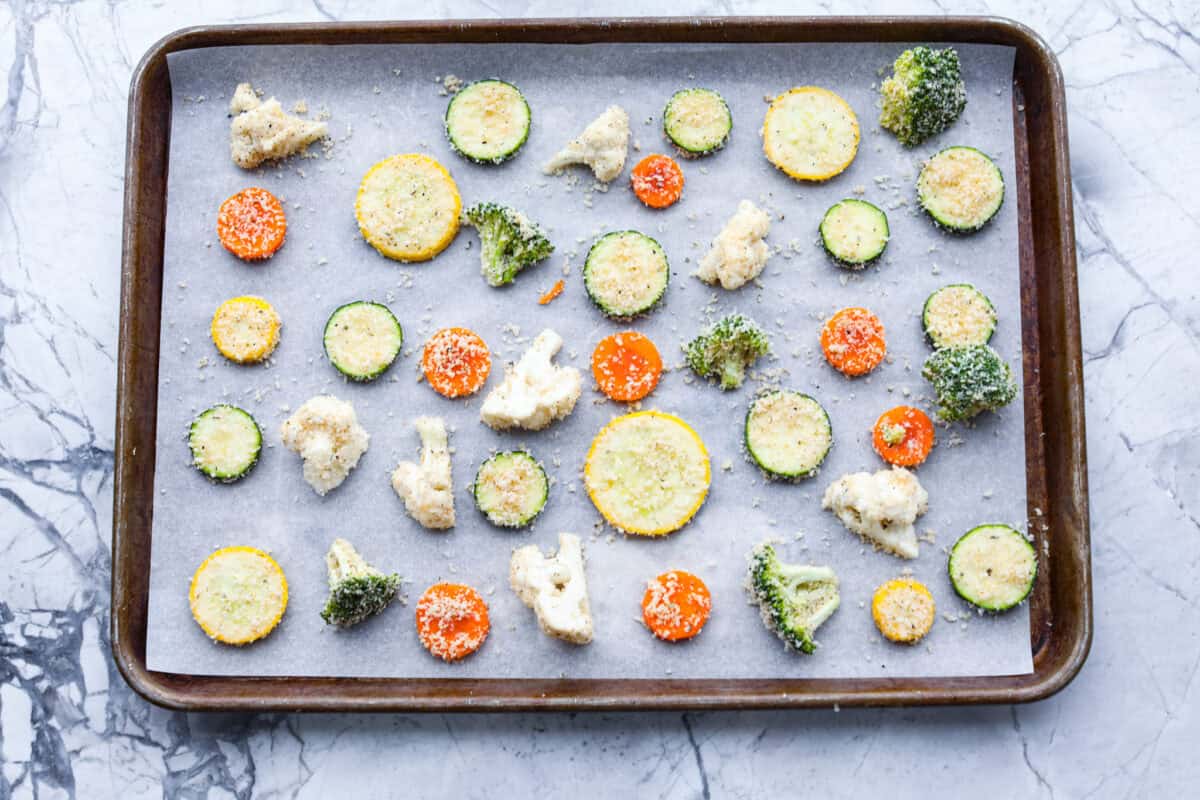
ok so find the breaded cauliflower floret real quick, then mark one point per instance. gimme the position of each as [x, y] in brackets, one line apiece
[555, 588]
[326, 434]
[262, 131]
[426, 489]
[602, 146]
[738, 254]
[881, 507]
[535, 392]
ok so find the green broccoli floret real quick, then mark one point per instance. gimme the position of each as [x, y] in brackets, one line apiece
[726, 349]
[924, 96]
[356, 589]
[795, 599]
[509, 241]
[969, 380]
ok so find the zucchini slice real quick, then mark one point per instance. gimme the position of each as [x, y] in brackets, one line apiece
[626, 273]
[408, 207]
[362, 339]
[647, 473]
[855, 232]
[810, 133]
[238, 595]
[697, 121]
[245, 329]
[993, 567]
[961, 188]
[488, 121]
[788, 434]
[958, 315]
[225, 442]
[511, 489]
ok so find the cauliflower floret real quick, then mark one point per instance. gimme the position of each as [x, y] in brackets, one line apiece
[555, 588]
[738, 254]
[602, 146]
[426, 489]
[881, 507]
[263, 130]
[535, 392]
[326, 434]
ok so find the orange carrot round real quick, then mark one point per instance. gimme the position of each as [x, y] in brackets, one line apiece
[553, 292]
[452, 620]
[657, 181]
[853, 342]
[626, 366]
[676, 605]
[903, 436]
[456, 362]
[251, 224]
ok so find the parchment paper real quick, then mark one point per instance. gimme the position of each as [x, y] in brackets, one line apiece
[385, 100]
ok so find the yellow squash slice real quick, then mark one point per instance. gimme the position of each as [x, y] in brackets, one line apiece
[810, 133]
[245, 329]
[408, 207]
[647, 473]
[903, 610]
[238, 595]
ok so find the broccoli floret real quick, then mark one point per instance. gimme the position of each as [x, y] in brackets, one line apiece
[924, 96]
[969, 380]
[726, 349]
[356, 589]
[795, 599]
[509, 241]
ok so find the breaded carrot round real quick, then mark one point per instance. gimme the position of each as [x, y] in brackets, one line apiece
[251, 224]
[626, 366]
[676, 605]
[657, 181]
[903, 610]
[903, 436]
[245, 329]
[456, 362]
[853, 342]
[452, 620]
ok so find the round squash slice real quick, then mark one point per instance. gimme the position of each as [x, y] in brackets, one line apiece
[810, 133]
[245, 329]
[408, 207]
[238, 595]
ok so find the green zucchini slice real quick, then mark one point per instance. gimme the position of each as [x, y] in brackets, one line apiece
[225, 443]
[511, 489]
[697, 121]
[362, 339]
[788, 434]
[993, 567]
[961, 189]
[958, 315]
[488, 121]
[855, 232]
[626, 273]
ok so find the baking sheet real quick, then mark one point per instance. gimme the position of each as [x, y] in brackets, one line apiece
[386, 99]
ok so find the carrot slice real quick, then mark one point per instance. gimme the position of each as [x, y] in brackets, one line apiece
[251, 224]
[552, 293]
[853, 341]
[626, 366]
[903, 436]
[676, 605]
[456, 362]
[657, 181]
[452, 620]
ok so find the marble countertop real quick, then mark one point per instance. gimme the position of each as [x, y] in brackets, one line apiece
[69, 727]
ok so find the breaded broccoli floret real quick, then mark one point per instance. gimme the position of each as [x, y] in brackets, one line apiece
[727, 349]
[509, 241]
[924, 96]
[795, 599]
[969, 380]
[356, 589]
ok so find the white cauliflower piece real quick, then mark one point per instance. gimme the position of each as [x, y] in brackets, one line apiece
[602, 146]
[880, 507]
[263, 130]
[326, 434]
[738, 254]
[535, 392]
[426, 489]
[555, 588]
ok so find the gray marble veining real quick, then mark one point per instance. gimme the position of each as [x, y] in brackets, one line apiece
[69, 727]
